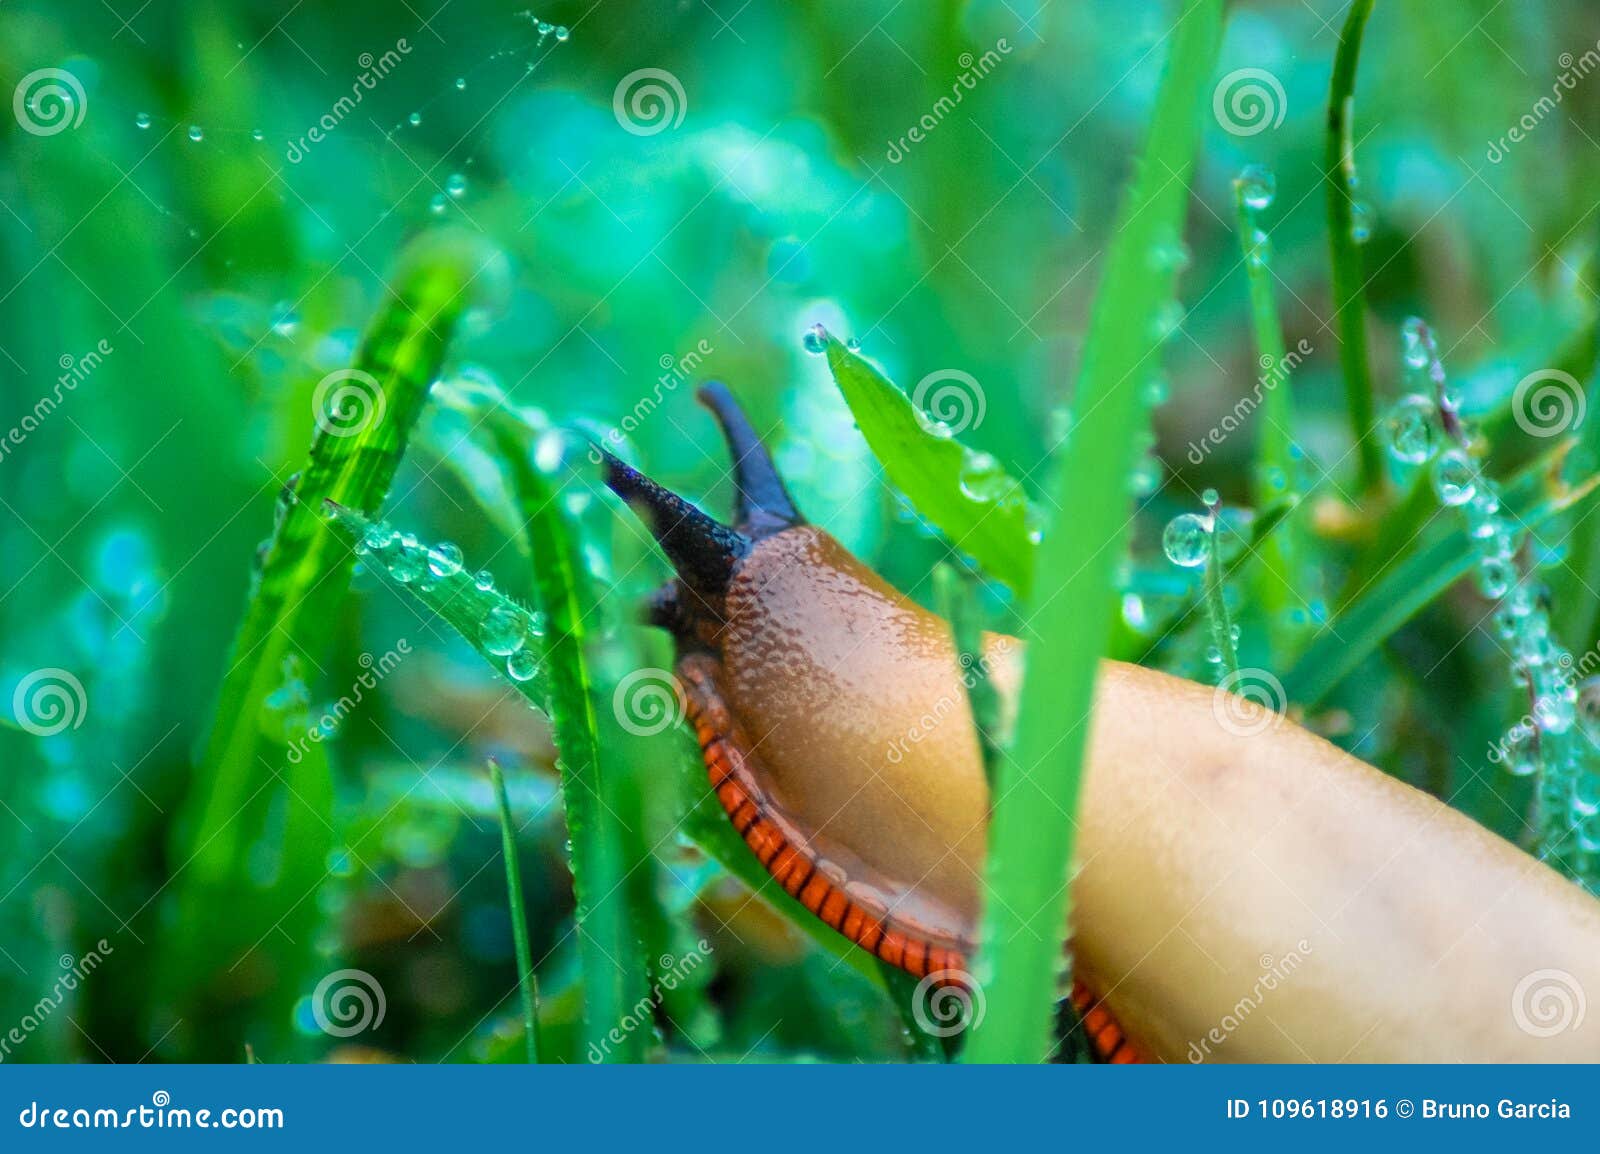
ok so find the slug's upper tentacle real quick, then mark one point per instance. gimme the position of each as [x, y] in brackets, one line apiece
[765, 506]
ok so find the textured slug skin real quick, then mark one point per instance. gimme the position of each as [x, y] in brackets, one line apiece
[1266, 890]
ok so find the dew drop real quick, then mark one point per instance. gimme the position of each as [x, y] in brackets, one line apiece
[1410, 429]
[815, 341]
[142, 120]
[1416, 343]
[522, 665]
[438, 204]
[563, 33]
[1454, 478]
[196, 133]
[461, 83]
[501, 631]
[456, 185]
[982, 478]
[1256, 186]
[484, 580]
[257, 135]
[1496, 575]
[1187, 540]
[444, 559]
[414, 119]
[1360, 222]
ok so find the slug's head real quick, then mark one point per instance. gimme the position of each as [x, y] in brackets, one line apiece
[705, 552]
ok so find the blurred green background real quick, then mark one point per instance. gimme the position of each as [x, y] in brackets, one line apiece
[228, 263]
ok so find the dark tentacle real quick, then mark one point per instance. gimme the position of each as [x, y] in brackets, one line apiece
[765, 506]
[702, 549]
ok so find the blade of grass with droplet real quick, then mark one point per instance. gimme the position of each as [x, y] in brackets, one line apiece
[973, 502]
[1276, 581]
[1440, 555]
[527, 983]
[1349, 295]
[1031, 838]
[603, 821]
[303, 579]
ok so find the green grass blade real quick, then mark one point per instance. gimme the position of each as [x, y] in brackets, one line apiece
[606, 852]
[1349, 295]
[1276, 468]
[526, 981]
[1031, 839]
[974, 503]
[302, 582]
[1441, 555]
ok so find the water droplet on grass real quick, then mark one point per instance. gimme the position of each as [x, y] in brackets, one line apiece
[501, 631]
[196, 133]
[142, 120]
[444, 560]
[522, 665]
[1256, 187]
[815, 341]
[1187, 540]
[1454, 478]
[1410, 428]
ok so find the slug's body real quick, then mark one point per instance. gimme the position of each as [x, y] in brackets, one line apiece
[838, 738]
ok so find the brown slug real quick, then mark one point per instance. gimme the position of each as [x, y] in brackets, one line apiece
[1205, 850]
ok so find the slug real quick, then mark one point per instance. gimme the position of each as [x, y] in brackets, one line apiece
[1243, 892]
